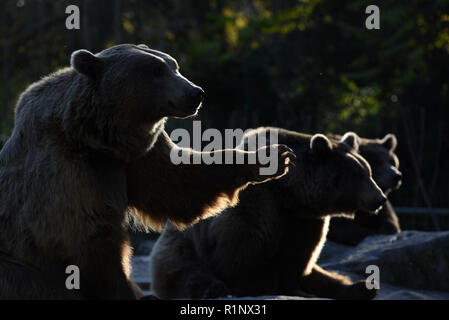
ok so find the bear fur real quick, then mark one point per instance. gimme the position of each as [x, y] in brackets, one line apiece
[88, 153]
[385, 166]
[269, 243]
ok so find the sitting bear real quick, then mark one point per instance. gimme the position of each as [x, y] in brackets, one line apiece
[385, 165]
[269, 243]
[88, 153]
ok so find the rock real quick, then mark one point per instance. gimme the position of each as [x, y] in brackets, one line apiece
[140, 273]
[413, 265]
[144, 247]
[333, 251]
[412, 259]
[394, 292]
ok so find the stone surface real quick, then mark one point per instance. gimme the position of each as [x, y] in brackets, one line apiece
[413, 259]
[141, 269]
[413, 265]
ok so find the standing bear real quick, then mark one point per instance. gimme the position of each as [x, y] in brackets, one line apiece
[385, 166]
[269, 243]
[88, 153]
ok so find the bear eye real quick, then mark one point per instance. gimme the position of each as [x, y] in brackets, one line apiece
[158, 71]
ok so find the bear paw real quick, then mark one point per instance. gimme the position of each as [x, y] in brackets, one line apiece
[262, 173]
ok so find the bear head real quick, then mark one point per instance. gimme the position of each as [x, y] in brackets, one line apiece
[340, 180]
[328, 177]
[383, 160]
[147, 82]
[130, 91]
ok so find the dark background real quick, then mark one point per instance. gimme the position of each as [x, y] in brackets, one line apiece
[309, 65]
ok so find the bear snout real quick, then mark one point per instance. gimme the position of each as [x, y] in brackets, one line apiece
[197, 93]
[381, 201]
[373, 198]
[188, 103]
[376, 204]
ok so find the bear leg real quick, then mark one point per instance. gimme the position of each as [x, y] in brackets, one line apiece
[328, 284]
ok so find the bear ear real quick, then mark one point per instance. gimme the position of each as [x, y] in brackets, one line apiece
[320, 144]
[86, 63]
[390, 142]
[143, 46]
[351, 139]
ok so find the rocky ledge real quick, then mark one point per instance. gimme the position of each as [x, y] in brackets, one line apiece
[412, 264]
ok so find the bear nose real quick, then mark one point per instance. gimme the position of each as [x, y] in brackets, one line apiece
[197, 93]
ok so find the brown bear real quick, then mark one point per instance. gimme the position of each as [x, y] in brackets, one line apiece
[385, 166]
[269, 243]
[87, 154]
